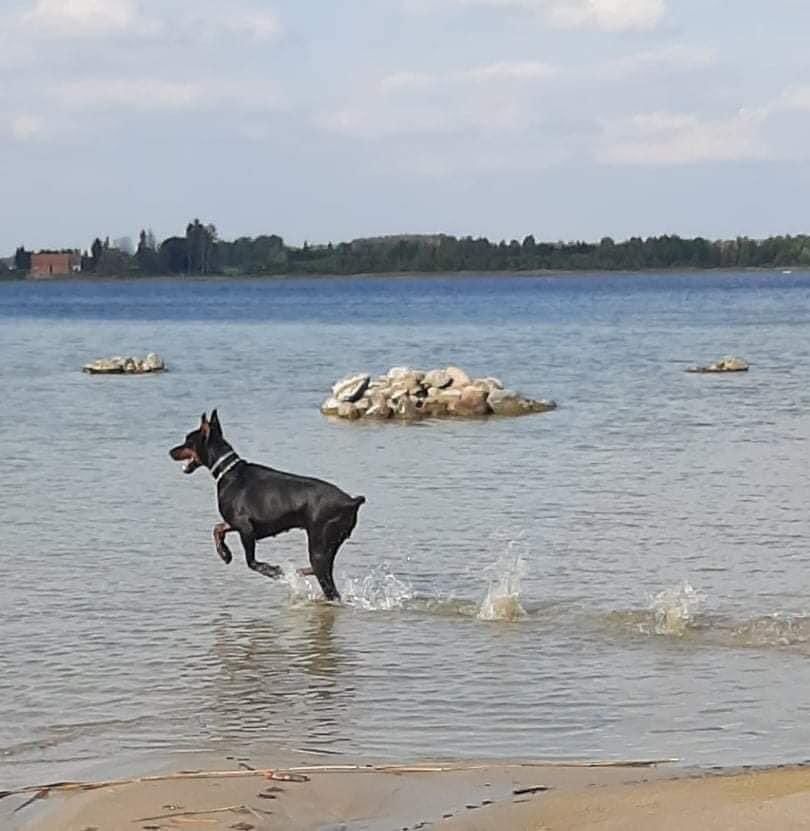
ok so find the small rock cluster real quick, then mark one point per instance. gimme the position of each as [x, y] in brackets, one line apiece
[723, 365]
[412, 394]
[126, 366]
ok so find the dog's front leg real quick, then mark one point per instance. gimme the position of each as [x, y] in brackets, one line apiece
[249, 544]
[219, 540]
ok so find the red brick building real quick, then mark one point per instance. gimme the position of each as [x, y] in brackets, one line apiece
[55, 264]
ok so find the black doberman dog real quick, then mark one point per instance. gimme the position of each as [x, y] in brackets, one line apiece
[258, 502]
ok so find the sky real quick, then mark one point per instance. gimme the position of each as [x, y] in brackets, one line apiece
[327, 121]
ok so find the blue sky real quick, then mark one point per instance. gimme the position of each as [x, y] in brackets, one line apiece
[566, 119]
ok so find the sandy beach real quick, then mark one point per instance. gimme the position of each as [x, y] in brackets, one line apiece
[321, 795]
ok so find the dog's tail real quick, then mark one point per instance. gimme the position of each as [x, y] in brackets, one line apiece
[359, 500]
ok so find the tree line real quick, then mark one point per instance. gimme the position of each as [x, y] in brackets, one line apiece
[200, 252]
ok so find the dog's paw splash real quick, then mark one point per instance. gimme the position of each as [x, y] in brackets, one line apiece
[302, 589]
[674, 609]
[502, 600]
[381, 590]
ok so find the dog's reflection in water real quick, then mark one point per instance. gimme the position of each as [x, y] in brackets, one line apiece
[286, 678]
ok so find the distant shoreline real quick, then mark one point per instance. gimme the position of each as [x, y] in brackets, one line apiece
[200, 251]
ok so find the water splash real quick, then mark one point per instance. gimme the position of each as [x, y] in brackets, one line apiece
[502, 600]
[381, 590]
[301, 589]
[674, 610]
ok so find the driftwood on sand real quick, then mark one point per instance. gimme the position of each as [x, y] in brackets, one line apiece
[43, 791]
[301, 773]
[227, 809]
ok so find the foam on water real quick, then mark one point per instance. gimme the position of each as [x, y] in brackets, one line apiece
[502, 600]
[777, 630]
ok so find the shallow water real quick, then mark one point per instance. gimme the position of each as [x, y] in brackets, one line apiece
[624, 577]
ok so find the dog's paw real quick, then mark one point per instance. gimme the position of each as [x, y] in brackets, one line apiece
[225, 555]
[273, 572]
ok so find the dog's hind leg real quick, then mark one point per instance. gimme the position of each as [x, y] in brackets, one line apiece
[323, 548]
[249, 544]
[220, 530]
[322, 557]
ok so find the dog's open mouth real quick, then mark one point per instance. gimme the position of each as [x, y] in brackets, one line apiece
[185, 454]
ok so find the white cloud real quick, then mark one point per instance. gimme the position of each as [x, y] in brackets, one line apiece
[510, 71]
[501, 72]
[379, 119]
[25, 127]
[151, 94]
[103, 17]
[138, 94]
[663, 138]
[666, 138]
[608, 15]
[487, 99]
[796, 98]
[86, 17]
[259, 25]
[242, 22]
[407, 81]
[666, 58]
[793, 99]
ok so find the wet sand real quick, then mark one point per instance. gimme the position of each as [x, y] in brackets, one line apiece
[485, 797]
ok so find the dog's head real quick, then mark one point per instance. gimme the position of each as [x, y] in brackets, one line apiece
[195, 450]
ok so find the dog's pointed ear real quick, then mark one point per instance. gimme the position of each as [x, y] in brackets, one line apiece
[216, 427]
[203, 420]
[205, 425]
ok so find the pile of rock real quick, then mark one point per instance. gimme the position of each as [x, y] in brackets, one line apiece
[126, 366]
[723, 365]
[412, 394]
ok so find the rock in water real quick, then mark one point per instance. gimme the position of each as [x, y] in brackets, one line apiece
[511, 403]
[458, 377]
[729, 364]
[438, 378]
[732, 365]
[330, 407]
[105, 366]
[397, 372]
[351, 389]
[348, 410]
[471, 402]
[410, 394]
[406, 408]
[379, 407]
[153, 363]
[126, 366]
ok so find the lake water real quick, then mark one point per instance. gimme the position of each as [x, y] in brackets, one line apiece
[628, 576]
